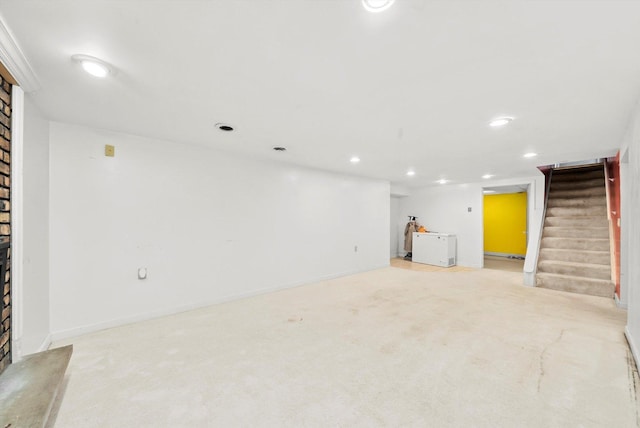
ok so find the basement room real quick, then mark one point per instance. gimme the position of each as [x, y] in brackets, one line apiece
[319, 213]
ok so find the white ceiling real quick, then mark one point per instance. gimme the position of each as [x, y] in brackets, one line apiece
[412, 87]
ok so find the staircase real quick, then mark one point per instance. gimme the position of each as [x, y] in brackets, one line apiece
[574, 250]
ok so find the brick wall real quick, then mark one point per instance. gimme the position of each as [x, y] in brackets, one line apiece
[5, 218]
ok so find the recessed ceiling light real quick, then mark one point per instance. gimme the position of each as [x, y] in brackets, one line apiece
[224, 127]
[377, 5]
[530, 155]
[500, 121]
[94, 66]
[280, 149]
[354, 159]
[443, 181]
[411, 173]
[487, 176]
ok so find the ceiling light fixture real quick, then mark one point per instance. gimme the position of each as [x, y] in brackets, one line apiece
[94, 66]
[530, 155]
[486, 176]
[443, 181]
[224, 127]
[411, 173]
[354, 159]
[500, 121]
[376, 6]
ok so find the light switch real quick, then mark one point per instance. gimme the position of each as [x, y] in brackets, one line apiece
[109, 150]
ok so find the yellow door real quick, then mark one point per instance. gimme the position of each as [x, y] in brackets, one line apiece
[505, 224]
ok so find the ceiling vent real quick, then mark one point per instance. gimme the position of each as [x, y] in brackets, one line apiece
[224, 127]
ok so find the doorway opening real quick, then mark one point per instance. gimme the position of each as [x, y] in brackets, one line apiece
[505, 227]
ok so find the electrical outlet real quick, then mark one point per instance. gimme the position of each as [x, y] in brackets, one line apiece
[142, 273]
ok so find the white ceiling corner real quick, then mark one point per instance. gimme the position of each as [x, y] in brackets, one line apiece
[14, 60]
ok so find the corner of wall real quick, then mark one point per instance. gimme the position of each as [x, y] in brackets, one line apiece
[398, 190]
[632, 346]
[620, 304]
[35, 296]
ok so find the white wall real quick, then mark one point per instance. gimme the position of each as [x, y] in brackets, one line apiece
[394, 248]
[623, 300]
[445, 209]
[35, 229]
[631, 230]
[35, 226]
[208, 226]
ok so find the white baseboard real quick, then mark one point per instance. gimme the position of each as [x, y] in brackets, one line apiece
[46, 343]
[619, 303]
[632, 346]
[529, 279]
[91, 328]
[470, 265]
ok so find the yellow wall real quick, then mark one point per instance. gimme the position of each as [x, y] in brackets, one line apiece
[505, 220]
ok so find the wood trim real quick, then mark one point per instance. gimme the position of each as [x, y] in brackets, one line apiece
[6, 75]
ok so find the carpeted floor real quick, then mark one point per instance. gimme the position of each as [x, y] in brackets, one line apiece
[391, 347]
[400, 262]
[504, 263]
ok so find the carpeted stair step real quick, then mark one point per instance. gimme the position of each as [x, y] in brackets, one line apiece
[579, 193]
[576, 232]
[576, 221]
[559, 176]
[586, 270]
[570, 185]
[576, 202]
[576, 284]
[593, 244]
[574, 249]
[598, 210]
[581, 256]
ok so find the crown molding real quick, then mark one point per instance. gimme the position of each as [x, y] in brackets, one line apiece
[15, 62]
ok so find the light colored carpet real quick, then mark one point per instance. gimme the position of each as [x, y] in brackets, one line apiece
[400, 262]
[575, 248]
[391, 347]
[504, 263]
